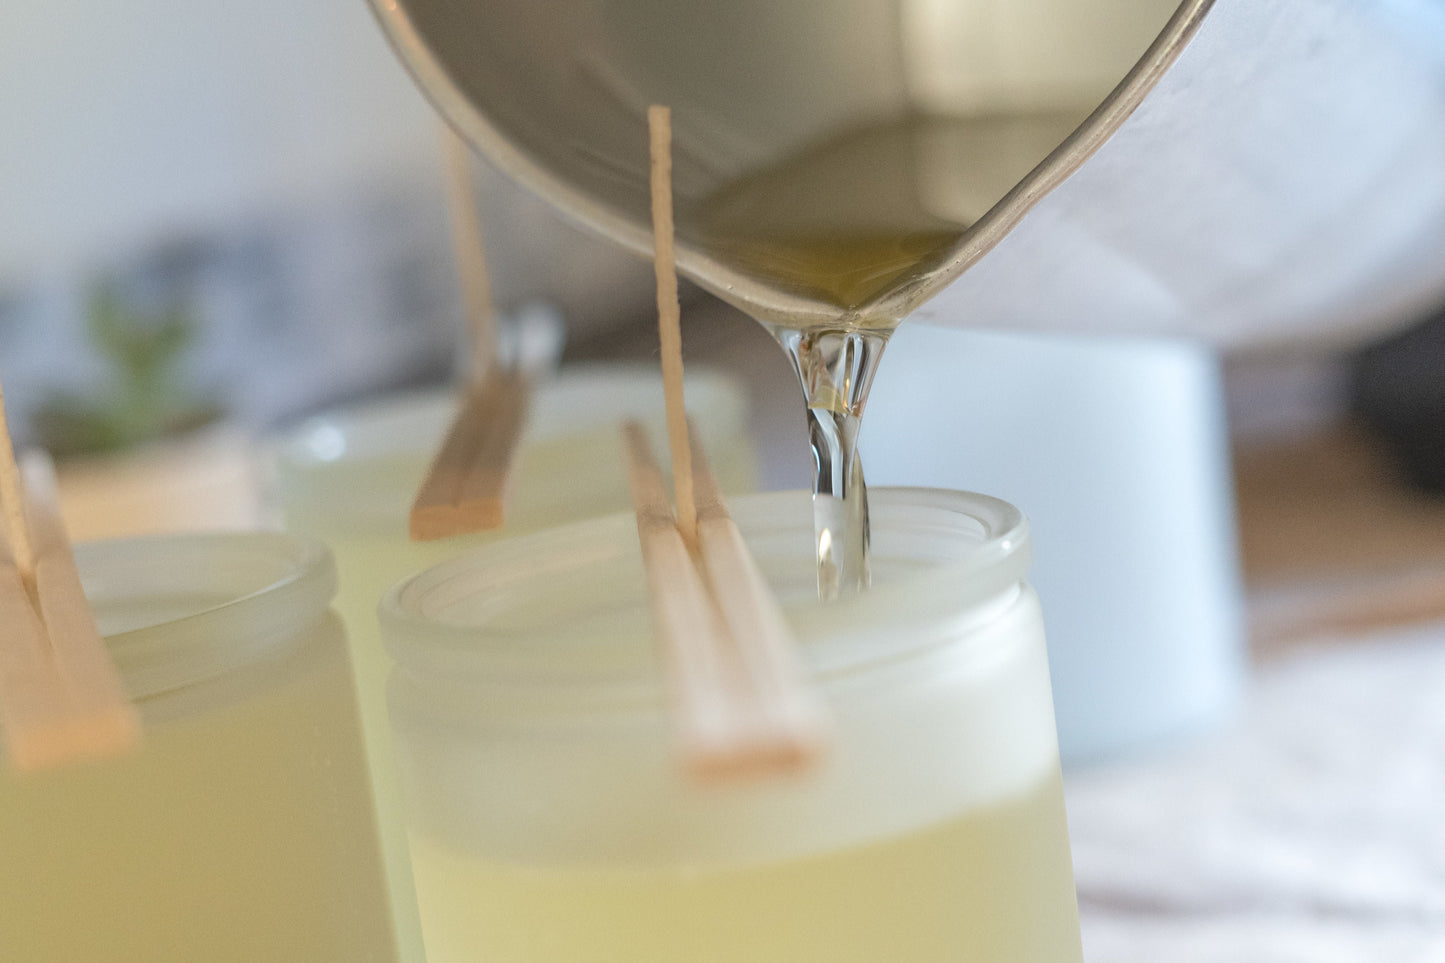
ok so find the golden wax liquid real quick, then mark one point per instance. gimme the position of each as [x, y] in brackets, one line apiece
[865, 213]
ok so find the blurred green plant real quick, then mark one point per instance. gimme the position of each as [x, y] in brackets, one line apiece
[145, 398]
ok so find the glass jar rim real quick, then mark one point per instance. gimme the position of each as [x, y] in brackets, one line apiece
[354, 469]
[945, 589]
[233, 595]
[405, 423]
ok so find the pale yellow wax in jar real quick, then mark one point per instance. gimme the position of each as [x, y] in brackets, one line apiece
[570, 467]
[550, 820]
[945, 892]
[240, 832]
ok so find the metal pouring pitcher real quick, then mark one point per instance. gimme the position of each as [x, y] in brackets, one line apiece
[1281, 178]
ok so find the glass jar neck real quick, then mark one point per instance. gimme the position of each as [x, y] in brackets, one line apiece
[356, 470]
[559, 620]
[179, 609]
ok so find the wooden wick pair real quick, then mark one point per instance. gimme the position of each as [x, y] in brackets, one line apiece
[61, 696]
[736, 681]
[466, 487]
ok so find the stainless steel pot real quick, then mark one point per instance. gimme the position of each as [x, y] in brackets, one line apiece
[1282, 178]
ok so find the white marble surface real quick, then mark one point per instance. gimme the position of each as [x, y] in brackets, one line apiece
[1311, 830]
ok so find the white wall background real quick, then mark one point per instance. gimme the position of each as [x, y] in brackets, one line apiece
[123, 120]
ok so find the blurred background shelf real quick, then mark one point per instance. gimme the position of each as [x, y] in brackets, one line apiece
[1334, 539]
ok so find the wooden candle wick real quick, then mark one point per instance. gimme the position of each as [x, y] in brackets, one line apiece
[467, 485]
[13, 497]
[669, 321]
[33, 706]
[761, 640]
[61, 696]
[738, 691]
[711, 718]
[742, 706]
[469, 247]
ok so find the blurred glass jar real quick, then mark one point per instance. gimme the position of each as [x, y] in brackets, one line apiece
[349, 477]
[1137, 557]
[550, 819]
[242, 829]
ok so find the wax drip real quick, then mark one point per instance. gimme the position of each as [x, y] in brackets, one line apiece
[836, 369]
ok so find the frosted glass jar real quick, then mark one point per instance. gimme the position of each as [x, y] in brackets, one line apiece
[1136, 553]
[353, 472]
[349, 477]
[243, 829]
[550, 821]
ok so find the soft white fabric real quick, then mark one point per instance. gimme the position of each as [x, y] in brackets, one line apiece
[1284, 182]
[1311, 830]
